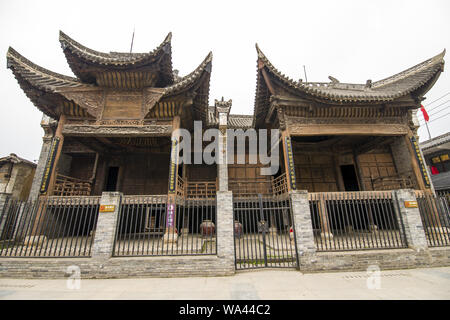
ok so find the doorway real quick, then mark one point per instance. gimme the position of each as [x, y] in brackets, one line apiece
[111, 179]
[349, 176]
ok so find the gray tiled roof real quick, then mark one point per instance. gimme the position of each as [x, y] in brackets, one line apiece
[441, 181]
[240, 121]
[37, 76]
[13, 158]
[387, 89]
[444, 138]
[79, 56]
[112, 58]
[235, 121]
[416, 80]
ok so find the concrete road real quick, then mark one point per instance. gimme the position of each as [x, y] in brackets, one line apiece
[429, 283]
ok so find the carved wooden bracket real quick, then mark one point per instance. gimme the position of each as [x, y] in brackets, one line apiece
[90, 99]
[151, 97]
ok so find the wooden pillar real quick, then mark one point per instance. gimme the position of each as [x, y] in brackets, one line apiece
[415, 164]
[288, 155]
[338, 174]
[49, 177]
[359, 173]
[170, 235]
[58, 135]
[326, 233]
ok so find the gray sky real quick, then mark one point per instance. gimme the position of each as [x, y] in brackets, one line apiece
[350, 40]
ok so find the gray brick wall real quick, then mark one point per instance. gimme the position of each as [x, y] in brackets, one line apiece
[225, 226]
[301, 215]
[106, 226]
[414, 231]
[103, 265]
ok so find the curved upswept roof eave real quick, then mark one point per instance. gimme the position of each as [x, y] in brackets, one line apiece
[113, 58]
[36, 75]
[78, 54]
[37, 81]
[384, 90]
[190, 79]
[199, 80]
[436, 60]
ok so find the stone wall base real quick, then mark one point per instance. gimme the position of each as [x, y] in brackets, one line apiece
[134, 267]
[384, 259]
[56, 268]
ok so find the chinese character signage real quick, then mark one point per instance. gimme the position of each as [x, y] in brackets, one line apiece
[419, 158]
[107, 208]
[173, 167]
[49, 165]
[411, 204]
[290, 163]
[170, 215]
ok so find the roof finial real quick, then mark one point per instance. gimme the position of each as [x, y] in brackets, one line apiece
[333, 79]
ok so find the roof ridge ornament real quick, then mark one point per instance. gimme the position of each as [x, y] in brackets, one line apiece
[333, 79]
[222, 107]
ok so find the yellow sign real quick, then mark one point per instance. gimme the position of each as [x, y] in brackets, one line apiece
[290, 163]
[444, 157]
[420, 161]
[436, 159]
[411, 204]
[49, 165]
[107, 208]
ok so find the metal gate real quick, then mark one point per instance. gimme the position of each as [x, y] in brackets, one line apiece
[264, 233]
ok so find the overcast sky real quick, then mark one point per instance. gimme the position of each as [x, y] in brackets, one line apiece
[351, 40]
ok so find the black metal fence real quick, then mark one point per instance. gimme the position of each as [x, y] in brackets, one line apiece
[435, 214]
[356, 221]
[48, 227]
[147, 227]
[264, 233]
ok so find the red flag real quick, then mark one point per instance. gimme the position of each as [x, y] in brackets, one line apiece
[425, 114]
[434, 170]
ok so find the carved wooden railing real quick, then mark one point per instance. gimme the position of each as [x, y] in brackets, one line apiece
[200, 189]
[279, 184]
[69, 186]
[180, 187]
[391, 183]
[245, 187]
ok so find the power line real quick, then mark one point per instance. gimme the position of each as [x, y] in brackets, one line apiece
[439, 105]
[438, 99]
[439, 117]
[432, 114]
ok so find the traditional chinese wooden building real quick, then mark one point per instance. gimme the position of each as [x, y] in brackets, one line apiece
[113, 128]
[115, 119]
[348, 137]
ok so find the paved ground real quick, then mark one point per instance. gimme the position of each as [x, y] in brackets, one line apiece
[430, 283]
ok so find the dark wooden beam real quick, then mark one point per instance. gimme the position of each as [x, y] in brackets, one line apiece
[373, 143]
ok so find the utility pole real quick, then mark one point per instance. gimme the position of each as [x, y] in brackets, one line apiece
[132, 39]
[304, 70]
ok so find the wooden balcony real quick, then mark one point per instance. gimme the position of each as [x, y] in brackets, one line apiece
[391, 183]
[248, 188]
[69, 186]
[196, 189]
